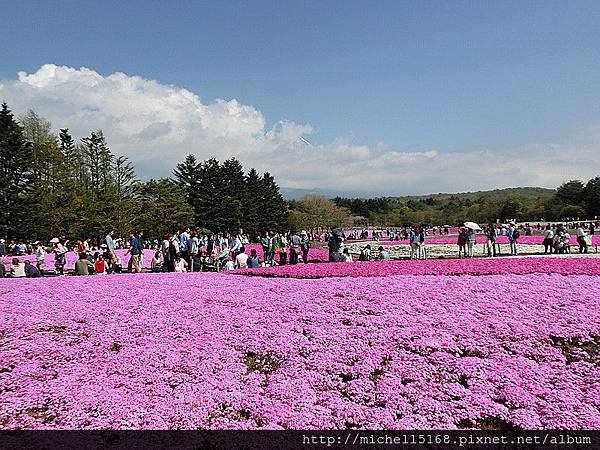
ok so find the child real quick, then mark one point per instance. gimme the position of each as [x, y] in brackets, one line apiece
[99, 264]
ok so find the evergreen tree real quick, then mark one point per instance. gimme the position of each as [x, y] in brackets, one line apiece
[211, 208]
[187, 174]
[162, 208]
[235, 194]
[121, 195]
[274, 211]
[253, 202]
[98, 161]
[591, 196]
[16, 173]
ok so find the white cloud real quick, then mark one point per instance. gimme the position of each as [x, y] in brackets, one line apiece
[156, 125]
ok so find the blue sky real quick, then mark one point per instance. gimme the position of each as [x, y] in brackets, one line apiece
[416, 76]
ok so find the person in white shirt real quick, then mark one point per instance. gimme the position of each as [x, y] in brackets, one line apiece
[180, 264]
[347, 256]
[193, 248]
[17, 269]
[582, 239]
[229, 265]
[40, 255]
[548, 239]
[241, 260]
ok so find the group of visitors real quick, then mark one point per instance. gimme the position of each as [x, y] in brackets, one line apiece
[189, 250]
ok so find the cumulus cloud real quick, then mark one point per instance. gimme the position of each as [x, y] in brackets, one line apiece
[156, 125]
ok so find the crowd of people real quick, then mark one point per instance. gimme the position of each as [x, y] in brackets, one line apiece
[189, 251]
[182, 251]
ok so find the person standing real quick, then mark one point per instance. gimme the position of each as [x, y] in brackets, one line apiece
[2, 247]
[513, 237]
[265, 243]
[415, 244]
[174, 253]
[461, 242]
[184, 243]
[335, 244]
[470, 242]
[294, 247]
[548, 240]
[60, 252]
[304, 245]
[110, 247]
[235, 244]
[581, 239]
[490, 242]
[365, 253]
[40, 256]
[164, 249]
[193, 248]
[135, 249]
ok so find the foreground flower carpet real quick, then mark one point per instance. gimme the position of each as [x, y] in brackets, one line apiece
[396, 349]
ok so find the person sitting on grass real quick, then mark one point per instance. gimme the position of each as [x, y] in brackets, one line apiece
[156, 263]
[180, 264]
[82, 266]
[229, 265]
[253, 261]
[347, 256]
[17, 269]
[241, 260]
[99, 264]
[31, 271]
[383, 254]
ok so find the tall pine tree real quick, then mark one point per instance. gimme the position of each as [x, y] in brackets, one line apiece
[16, 173]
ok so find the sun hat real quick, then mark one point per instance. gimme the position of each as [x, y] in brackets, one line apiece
[1, 241]
[303, 232]
[54, 240]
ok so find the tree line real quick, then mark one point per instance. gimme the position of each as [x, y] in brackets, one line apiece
[573, 200]
[53, 186]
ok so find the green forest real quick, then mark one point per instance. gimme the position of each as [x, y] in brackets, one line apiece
[53, 186]
[572, 200]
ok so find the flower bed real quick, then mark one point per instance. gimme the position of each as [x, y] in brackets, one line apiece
[474, 266]
[166, 351]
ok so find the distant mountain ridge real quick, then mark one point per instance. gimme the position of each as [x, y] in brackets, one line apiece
[526, 192]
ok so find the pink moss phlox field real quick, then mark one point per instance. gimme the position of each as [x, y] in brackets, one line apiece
[480, 239]
[164, 351]
[474, 266]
